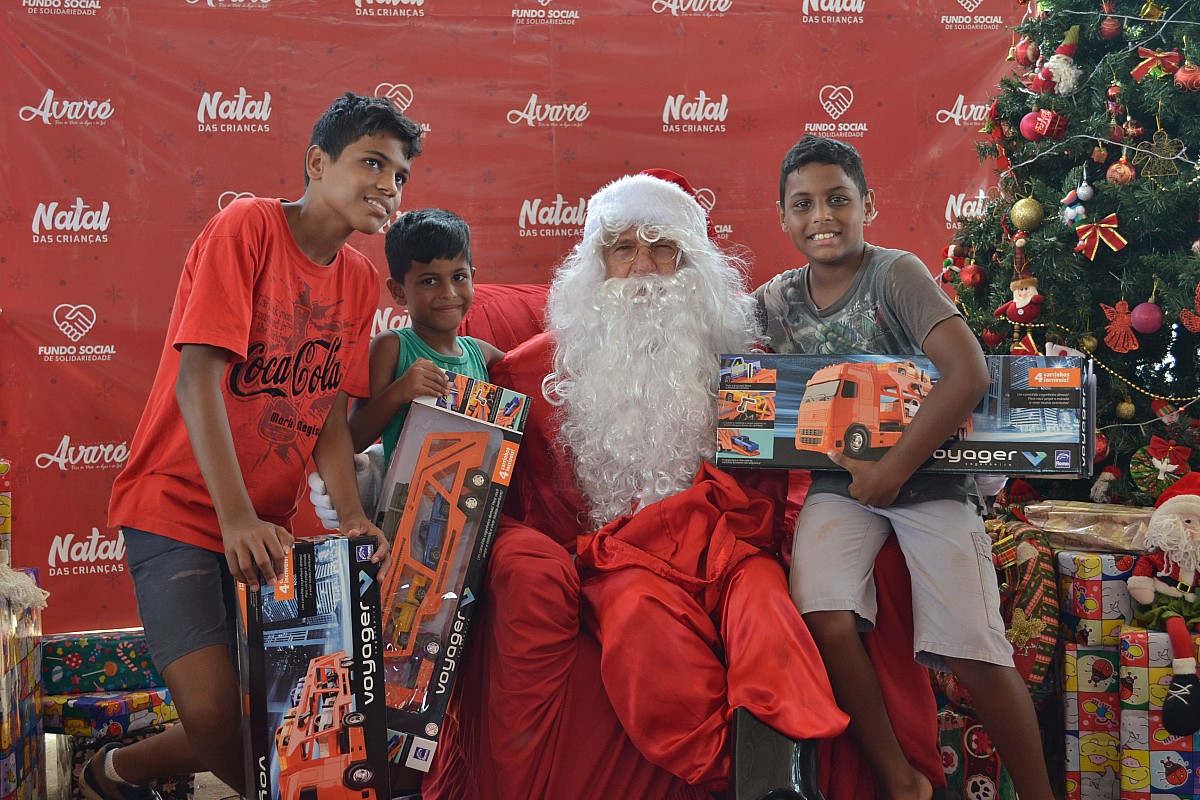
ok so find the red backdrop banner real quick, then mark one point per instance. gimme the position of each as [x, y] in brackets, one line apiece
[126, 125]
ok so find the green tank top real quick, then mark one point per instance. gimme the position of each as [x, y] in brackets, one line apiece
[412, 347]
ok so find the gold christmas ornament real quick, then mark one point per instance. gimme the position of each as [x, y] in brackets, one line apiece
[1088, 343]
[1027, 214]
[1126, 409]
[1159, 155]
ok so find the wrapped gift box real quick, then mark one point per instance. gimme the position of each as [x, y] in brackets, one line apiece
[75, 751]
[107, 713]
[1092, 722]
[22, 751]
[972, 767]
[1093, 598]
[100, 661]
[1154, 764]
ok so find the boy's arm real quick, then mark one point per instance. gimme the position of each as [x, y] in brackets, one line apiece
[334, 457]
[252, 545]
[491, 353]
[962, 380]
[389, 394]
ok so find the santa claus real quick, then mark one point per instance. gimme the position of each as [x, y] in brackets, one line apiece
[638, 629]
[1163, 584]
[1026, 303]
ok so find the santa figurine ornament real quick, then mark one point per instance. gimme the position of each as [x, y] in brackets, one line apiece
[1163, 585]
[1026, 303]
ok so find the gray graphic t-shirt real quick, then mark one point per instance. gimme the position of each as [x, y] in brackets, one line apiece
[889, 309]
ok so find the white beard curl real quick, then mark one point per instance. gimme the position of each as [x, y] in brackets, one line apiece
[635, 370]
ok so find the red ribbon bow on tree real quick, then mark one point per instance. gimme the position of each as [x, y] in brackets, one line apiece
[1168, 451]
[1160, 63]
[1093, 233]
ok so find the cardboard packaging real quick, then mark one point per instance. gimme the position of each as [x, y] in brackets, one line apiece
[311, 670]
[1154, 764]
[1091, 721]
[439, 506]
[1093, 595]
[788, 411]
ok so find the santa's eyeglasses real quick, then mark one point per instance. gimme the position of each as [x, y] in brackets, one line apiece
[625, 253]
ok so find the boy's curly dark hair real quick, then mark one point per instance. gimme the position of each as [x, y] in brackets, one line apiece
[353, 116]
[423, 235]
[822, 150]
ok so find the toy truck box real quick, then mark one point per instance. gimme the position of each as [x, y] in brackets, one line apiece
[311, 671]
[439, 506]
[1037, 417]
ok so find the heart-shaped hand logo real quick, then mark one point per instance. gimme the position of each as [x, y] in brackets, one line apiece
[228, 197]
[836, 100]
[706, 198]
[74, 321]
[970, 5]
[398, 94]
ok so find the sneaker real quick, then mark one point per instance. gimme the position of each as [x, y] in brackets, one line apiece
[90, 784]
[1181, 708]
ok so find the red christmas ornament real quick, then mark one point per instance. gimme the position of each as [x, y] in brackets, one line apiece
[1121, 172]
[991, 339]
[1116, 132]
[1133, 128]
[1118, 332]
[971, 276]
[1029, 126]
[1114, 92]
[1026, 52]
[1188, 77]
[1101, 448]
[1110, 27]
[1146, 318]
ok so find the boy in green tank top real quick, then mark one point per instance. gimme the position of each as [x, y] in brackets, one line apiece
[429, 259]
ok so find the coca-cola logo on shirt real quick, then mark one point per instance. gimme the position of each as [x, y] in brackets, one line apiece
[315, 368]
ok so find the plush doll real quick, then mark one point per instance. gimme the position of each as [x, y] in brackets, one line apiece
[1026, 305]
[1163, 585]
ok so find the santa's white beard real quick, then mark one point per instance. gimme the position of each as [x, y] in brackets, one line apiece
[637, 376]
[1178, 543]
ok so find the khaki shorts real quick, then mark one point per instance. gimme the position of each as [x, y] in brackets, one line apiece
[956, 599]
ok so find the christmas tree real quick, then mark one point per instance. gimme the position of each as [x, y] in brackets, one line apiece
[1091, 239]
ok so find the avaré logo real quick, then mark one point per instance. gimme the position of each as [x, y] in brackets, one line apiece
[535, 114]
[84, 456]
[836, 100]
[702, 8]
[964, 113]
[67, 112]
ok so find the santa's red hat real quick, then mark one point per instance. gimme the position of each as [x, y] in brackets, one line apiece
[682, 183]
[1181, 497]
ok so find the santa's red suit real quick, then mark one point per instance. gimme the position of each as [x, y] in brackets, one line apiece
[536, 709]
[1021, 314]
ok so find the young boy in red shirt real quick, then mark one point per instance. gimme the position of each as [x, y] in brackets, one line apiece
[267, 341]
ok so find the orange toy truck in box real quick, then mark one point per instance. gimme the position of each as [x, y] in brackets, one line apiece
[857, 407]
[448, 489]
[439, 506]
[320, 744]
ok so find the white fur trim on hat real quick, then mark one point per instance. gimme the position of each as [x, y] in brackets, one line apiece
[1180, 504]
[638, 199]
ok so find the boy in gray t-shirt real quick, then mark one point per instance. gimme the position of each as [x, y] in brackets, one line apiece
[853, 297]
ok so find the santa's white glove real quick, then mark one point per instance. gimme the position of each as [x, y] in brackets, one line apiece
[368, 471]
[990, 485]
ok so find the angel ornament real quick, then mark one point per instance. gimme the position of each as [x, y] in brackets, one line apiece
[1119, 333]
